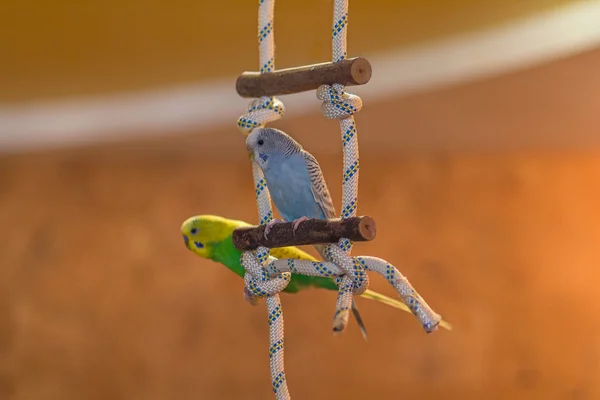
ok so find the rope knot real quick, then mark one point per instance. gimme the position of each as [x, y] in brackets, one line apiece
[260, 112]
[259, 283]
[337, 103]
[354, 270]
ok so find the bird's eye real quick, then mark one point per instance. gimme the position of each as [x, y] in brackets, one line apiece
[261, 142]
[193, 231]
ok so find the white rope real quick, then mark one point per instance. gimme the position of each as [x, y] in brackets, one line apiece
[351, 274]
[427, 318]
[258, 283]
[265, 276]
[341, 105]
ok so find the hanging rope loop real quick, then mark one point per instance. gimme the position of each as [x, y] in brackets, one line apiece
[265, 277]
[337, 104]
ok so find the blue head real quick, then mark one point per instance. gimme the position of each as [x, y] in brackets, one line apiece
[264, 144]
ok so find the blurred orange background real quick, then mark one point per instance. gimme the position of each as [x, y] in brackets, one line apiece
[485, 195]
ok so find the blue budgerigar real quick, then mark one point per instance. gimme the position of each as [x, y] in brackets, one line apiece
[295, 181]
[293, 176]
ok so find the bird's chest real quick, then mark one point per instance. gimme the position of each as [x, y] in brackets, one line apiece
[290, 187]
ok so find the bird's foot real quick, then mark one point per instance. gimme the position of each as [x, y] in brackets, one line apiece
[296, 222]
[270, 225]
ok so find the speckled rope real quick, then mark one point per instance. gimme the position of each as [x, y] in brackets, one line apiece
[266, 276]
[428, 318]
[258, 282]
[337, 104]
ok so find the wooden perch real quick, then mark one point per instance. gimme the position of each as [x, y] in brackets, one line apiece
[353, 71]
[313, 231]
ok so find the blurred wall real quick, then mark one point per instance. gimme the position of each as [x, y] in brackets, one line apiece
[65, 48]
[99, 299]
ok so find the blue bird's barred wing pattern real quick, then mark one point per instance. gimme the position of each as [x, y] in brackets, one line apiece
[318, 185]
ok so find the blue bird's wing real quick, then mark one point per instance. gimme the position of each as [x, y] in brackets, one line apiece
[318, 185]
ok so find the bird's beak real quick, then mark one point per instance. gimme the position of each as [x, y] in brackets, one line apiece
[251, 156]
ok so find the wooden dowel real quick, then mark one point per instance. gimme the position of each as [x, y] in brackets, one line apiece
[353, 71]
[313, 231]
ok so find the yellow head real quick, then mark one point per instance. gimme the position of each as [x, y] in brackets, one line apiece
[202, 232]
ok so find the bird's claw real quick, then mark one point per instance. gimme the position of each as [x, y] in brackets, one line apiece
[297, 222]
[270, 225]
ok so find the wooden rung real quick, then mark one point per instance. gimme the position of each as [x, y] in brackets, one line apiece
[353, 71]
[313, 231]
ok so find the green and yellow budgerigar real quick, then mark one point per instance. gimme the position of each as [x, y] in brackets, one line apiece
[210, 237]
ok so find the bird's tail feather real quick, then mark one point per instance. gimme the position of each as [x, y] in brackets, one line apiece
[359, 320]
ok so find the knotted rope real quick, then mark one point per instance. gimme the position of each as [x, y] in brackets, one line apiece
[258, 282]
[337, 104]
[266, 276]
